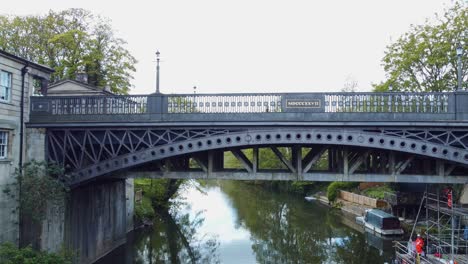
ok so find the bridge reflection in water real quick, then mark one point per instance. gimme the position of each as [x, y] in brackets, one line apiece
[380, 137]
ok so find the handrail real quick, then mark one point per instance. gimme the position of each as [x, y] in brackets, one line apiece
[335, 102]
[404, 253]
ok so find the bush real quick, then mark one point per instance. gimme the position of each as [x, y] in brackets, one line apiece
[144, 210]
[334, 187]
[302, 187]
[10, 254]
[377, 192]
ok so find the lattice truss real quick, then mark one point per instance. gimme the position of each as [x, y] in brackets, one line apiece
[453, 138]
[78, 148]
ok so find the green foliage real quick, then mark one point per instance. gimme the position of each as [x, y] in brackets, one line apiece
[269, 160]
[41, 184]
[377, 192]
[302, 187]
[10, 254]
[71, 41]
[159, 191]
[335, 187]
[424, 58]
[144, 210]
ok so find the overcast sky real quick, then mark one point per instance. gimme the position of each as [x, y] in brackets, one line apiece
[253, 45]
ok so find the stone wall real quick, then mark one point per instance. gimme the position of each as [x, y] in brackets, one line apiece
[130, 203]
[35, 144]
[96, 220]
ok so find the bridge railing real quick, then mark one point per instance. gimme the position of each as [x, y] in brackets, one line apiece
[224, 103]
[332, 106]
[92, 105]
[388, 102]
[319, 102]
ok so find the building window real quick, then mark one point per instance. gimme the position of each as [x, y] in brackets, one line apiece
[5, 86]
[37, 86]
[3, 144]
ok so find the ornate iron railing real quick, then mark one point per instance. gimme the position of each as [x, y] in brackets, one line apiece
[83, 105]
[229, 103]
[332, 102]
[387, 102]
[436, 103]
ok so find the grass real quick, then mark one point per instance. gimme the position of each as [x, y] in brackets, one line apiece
[377, 192]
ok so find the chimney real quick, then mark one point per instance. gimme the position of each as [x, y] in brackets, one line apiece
[82, 77]
[107, 88]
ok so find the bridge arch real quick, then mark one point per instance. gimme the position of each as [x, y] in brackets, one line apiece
[440, 145]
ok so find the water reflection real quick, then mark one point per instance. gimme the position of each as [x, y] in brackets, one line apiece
[285, 229]
[238, 223]
[174, 239]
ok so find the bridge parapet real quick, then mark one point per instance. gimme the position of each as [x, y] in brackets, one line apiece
[288, 107]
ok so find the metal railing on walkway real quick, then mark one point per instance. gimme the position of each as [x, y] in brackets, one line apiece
[252, 103]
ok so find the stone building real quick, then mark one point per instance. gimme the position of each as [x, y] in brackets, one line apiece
[19, 78]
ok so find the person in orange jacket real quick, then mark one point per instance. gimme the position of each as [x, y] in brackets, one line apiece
[419, 245]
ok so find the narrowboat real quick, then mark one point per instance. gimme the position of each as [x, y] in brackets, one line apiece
[380, 222]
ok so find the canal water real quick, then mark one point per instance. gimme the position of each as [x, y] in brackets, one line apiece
[233, 222]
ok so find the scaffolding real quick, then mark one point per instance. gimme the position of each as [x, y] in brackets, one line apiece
[446, 231]
[446, 227]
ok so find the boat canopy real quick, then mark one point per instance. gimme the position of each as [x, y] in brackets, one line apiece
[381, 219]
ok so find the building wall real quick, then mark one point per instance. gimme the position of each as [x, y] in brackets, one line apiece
[10, 121]
[96, 218]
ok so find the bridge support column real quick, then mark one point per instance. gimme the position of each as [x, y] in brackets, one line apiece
[49, 234]
[297, 161]
[130, 203]
[391, 163]
[215, 161]
[96, 220]
[255, 160]
[384, 160]
[333, 160]
[345, 164]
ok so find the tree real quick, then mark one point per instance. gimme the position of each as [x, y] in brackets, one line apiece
[71, 41]
[350, 85]
[424, 59]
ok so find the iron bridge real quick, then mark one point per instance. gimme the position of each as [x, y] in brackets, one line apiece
[379, 137]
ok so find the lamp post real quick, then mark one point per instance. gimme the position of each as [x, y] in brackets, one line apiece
[157, 71]
[459, 66]
[194, 98]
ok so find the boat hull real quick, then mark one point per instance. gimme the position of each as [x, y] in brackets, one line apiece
[371, 228]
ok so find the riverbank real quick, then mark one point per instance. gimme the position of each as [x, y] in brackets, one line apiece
[345, 206]
[352, 210]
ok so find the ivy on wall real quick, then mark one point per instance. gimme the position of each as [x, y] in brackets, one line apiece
[37, 185]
